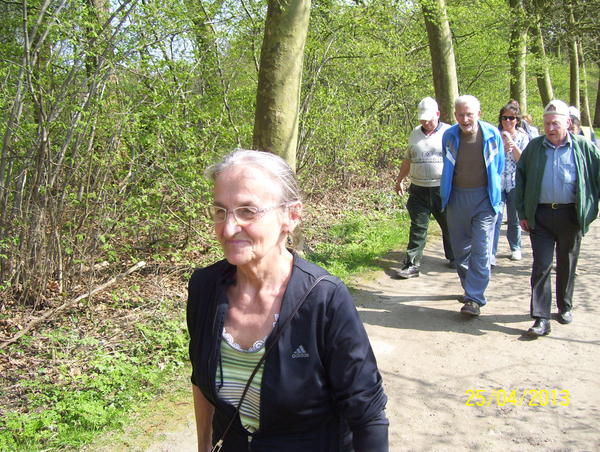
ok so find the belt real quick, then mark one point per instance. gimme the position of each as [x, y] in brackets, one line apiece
[555, 205]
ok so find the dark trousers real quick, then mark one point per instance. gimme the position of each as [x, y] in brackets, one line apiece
[554, 228]
[422, 203]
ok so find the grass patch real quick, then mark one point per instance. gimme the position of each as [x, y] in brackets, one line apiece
[355, 245]
[169, 413]
[352, 240]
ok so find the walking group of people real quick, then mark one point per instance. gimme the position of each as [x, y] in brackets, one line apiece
[466, 174]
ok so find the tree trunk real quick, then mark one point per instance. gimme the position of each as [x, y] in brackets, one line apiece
[597, 111]
[574, 73]
[573, 60]
[99, 13]
[202, 15]
[542, 72]
[583, 95]
[442, 57]
[279, 78]
[517, 55]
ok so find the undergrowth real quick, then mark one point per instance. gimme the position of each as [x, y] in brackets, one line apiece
[350, 240]
[86, 384]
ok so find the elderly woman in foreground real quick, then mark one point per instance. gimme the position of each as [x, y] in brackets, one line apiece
[278, 362]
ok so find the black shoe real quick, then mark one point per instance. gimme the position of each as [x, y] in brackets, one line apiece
[470, 308]
[541, 327]
[451, 263]
[565, 317]
[462, 298]
[408, 271]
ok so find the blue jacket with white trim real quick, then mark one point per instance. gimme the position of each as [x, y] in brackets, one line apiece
[493, 153]
[328, 399]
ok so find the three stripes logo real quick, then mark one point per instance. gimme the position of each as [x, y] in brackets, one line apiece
[300, 353]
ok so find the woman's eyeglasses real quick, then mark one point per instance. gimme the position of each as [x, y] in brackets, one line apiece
[508, 118]
[242, 214]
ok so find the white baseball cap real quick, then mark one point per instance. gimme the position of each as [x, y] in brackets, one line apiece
[427, 109]
[557, 107]
[574, 112]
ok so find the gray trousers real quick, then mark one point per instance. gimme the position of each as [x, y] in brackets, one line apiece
[471, 223]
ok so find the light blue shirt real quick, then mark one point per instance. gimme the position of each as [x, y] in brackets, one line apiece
[560, 174]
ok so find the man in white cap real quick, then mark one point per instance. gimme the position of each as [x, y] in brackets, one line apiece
[423, 161]
[558, 186]
[471, 194]
[586, 131]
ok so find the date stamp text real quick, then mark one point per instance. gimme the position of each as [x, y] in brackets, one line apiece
[526, 397]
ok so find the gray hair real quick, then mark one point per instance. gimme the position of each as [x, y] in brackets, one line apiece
[468, 99]
[276, 167]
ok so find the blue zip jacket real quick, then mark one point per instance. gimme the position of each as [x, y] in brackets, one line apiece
[330, 399]
[493, 153]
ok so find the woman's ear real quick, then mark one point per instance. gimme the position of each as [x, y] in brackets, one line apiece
[294, 212]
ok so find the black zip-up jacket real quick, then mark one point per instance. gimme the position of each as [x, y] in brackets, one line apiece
[327, 398]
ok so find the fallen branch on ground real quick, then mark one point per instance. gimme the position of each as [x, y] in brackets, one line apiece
[51, 312]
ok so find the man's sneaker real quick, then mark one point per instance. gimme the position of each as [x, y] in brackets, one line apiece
[452, 263]
[470, 308]
[408, 271]
[493, 261]
[516, 255]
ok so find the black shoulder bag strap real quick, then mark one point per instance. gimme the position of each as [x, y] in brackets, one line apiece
[217, 447]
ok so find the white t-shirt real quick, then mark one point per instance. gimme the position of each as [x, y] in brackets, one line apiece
[425, 156]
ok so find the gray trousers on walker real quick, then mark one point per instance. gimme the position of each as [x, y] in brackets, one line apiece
[471, 223]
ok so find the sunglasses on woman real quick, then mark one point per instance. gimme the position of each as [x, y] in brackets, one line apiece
[508, 118]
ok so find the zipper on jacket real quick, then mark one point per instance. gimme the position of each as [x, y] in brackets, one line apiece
[210, 356]
[217, 351]
[249, 442]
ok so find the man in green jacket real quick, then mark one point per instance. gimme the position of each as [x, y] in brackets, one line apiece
[558, 185]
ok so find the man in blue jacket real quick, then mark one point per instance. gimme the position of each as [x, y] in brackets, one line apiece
[558, 186]
[470, 190]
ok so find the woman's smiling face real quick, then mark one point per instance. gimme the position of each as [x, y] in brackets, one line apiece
[248, 243]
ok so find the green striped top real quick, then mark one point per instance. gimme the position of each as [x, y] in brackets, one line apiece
[238, 365]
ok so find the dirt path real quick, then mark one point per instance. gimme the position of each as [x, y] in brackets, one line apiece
[432, 357]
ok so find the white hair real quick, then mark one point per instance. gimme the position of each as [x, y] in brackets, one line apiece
[276, 167]
[468, 99]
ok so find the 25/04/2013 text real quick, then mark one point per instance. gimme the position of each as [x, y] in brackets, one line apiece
[531, 397]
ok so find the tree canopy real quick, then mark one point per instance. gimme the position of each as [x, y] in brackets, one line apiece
[112, 110]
